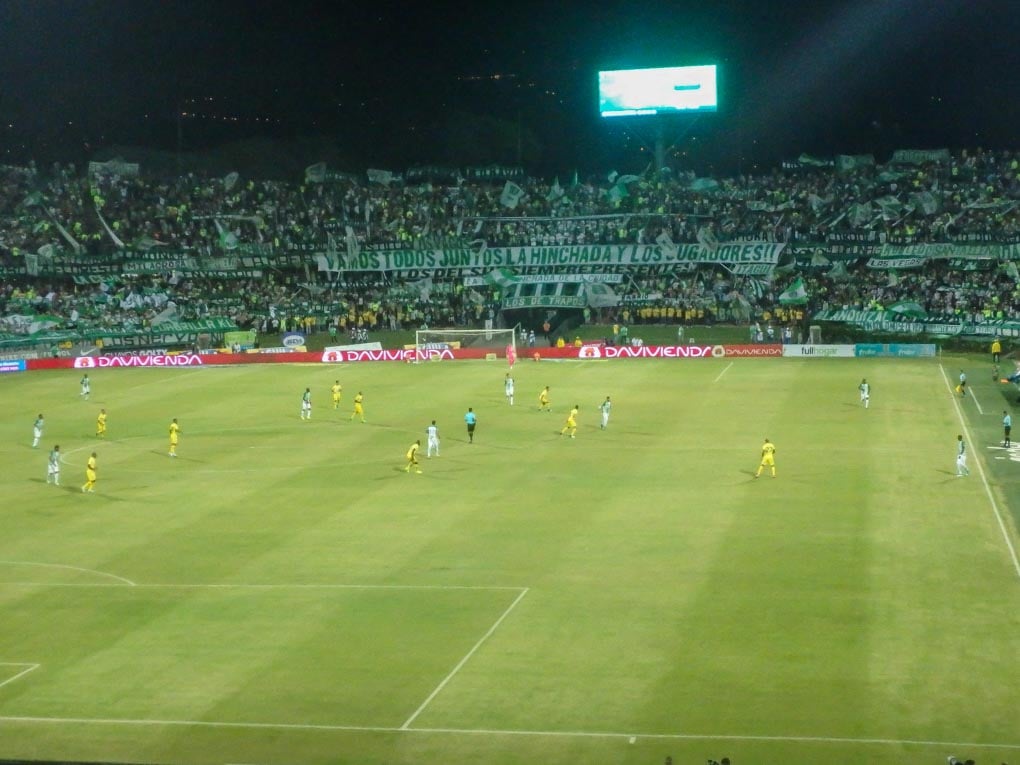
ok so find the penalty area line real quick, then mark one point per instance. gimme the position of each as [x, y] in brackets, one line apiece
[725, 370]
[463, 661]
[22, 673]
[984, 478]
[66, 567]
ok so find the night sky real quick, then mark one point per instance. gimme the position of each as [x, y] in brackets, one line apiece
[391, 84]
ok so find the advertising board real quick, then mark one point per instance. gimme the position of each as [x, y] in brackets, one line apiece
[820, 351]
[895, 350]
[753, 351]
[12, 365]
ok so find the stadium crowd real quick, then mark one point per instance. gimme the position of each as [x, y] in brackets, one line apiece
[973, 197]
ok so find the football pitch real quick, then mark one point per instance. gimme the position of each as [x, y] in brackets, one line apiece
[284, 592]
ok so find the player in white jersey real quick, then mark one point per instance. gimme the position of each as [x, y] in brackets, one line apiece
[53, 467]
[86, 387]
[433, 439]
[604, 408]
[37, 430]
[865, 389]
[508, 387]
[961, 458]
[306, 404]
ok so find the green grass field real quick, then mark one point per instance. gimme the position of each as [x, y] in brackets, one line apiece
[284, 592]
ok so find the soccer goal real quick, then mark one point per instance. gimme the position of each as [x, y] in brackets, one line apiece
[501, 343]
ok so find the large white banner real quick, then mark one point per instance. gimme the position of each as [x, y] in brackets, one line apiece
[730, 254]
[481, 281]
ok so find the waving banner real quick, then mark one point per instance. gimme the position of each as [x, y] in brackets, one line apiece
[896, 321]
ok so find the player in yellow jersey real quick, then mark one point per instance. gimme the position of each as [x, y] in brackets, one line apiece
[543, 400]
[175, 430]
[571, 425]
[768, 458]
[338, 391]
[90, 474]
[358, 409]
[412, 457]
[101, 423]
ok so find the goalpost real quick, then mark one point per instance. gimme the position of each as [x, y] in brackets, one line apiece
[501, 343]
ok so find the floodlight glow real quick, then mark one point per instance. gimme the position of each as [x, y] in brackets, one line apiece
[666, 90]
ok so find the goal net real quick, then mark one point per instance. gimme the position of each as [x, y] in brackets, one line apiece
[501, 343]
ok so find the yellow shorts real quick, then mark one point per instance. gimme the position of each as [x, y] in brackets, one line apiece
[768, 461]
[358, 409]
[90, 476]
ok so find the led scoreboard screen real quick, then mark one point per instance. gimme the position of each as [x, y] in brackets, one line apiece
[666, 90]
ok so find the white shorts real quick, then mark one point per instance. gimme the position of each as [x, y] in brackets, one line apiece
[36, 433]
[52, 470]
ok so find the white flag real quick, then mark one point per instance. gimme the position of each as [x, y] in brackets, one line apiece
[706, 238]
[600, 295]
[511, 196]
[665, 241]
[353, 246]
[383, 177]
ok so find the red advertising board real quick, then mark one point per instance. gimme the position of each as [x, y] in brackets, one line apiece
[753, 351]
[164, 361]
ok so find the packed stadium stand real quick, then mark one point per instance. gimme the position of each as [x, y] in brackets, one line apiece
[111, 248]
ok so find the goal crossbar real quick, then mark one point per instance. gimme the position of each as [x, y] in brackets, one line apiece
[499, 342]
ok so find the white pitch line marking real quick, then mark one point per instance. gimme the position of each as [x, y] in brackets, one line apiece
[464, 661]
[727, 368]
[976, 402]
[69, 568]
[29, 668]
[246, 586]
[497, 732]
[984, 479]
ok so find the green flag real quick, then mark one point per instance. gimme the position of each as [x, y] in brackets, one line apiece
[704, 184]
[910, 308]
[808, 161]
[315, 173]
[500, 277]
[795, 294]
